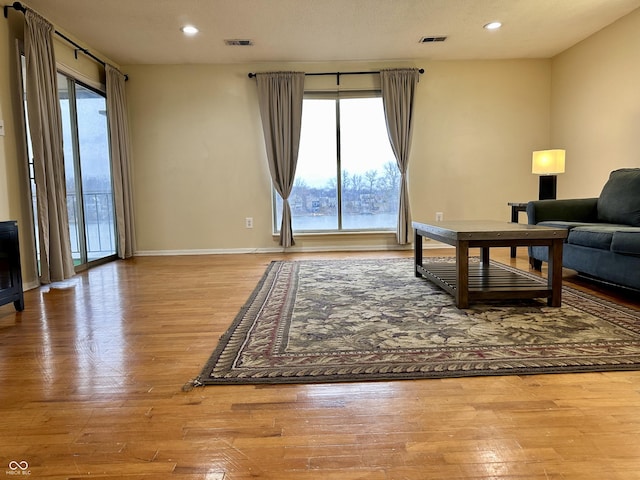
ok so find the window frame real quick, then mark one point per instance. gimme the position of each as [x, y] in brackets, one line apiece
[335, 95]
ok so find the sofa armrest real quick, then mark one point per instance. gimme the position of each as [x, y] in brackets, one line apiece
[570, 210]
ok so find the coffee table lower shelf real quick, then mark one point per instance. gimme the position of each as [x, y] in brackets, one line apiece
[486, 282]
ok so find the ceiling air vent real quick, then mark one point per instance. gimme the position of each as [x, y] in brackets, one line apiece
[239, 43]
[433, 39]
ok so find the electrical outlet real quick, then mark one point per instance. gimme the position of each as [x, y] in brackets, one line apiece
[439, 216]
[248, 222]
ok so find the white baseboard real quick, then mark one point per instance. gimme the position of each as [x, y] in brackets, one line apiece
[294, 249]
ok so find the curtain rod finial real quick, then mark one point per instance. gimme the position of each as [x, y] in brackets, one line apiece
[421, 70]
[251, 75]
[16, 6]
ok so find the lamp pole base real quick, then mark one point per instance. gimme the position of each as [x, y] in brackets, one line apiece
[547, 189]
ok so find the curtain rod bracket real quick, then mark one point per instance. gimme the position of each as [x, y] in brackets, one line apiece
[83, 50]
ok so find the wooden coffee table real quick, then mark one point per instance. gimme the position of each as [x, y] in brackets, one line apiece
[468, 283]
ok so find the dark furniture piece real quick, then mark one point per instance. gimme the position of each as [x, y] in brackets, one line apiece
[516, 208]
[10, 273]
[603, 238]
[548, 187]
[486, 282]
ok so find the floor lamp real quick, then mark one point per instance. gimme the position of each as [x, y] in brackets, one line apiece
[547, 164]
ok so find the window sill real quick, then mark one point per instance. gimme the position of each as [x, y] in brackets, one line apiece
[343, 233]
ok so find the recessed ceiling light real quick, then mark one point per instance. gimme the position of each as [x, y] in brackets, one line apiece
[189, 30]
[493, 26]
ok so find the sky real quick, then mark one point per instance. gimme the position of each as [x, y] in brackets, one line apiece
[365, 144]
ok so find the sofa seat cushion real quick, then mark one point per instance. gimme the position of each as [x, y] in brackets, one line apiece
[619, 201]
[593, 236]
[626, 241]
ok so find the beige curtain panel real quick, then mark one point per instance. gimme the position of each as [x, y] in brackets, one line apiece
[398, 91]
[120, 161]
[280, 96]
[45, 125]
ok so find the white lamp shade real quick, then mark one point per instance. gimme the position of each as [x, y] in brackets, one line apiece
[548, 162]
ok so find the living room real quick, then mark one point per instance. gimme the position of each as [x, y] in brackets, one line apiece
[199, 152]
[200, 169]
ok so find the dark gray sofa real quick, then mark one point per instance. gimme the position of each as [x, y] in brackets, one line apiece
[604, 232]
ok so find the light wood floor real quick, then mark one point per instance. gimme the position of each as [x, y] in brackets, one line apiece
[92, 371]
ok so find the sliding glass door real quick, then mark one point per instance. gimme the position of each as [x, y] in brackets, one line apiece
[87, 165]
[87, 171]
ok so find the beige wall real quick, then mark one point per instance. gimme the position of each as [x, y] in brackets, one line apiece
[596, 107]
[200, 165]
[477, 124]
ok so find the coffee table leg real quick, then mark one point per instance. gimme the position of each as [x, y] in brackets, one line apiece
[484, 257]
[554, 275]
[417, 252]
[514, 219]
[462, 275]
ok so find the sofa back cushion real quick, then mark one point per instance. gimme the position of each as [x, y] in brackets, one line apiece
[619, 201]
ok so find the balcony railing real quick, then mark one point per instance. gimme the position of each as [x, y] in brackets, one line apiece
[99, 224]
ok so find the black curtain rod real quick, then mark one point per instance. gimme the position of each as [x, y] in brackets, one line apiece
[337, 74]
[21, 8]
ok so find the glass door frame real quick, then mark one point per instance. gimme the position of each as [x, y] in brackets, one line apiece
[79, 206]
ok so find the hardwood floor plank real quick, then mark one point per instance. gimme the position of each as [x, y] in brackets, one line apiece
[92, 375]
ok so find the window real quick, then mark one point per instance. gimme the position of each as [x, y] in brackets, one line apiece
[346, 177]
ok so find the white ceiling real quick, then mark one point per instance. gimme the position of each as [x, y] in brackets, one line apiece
[148, 31]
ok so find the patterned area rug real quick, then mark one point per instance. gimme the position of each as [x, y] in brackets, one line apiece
[361, 320]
